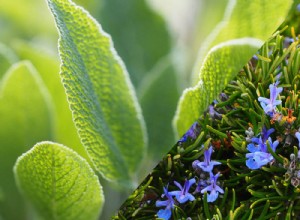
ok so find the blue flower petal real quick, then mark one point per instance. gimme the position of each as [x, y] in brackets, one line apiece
[297, 134]
[252, 148]
[212, 196]
[164, 214]
[161, 203]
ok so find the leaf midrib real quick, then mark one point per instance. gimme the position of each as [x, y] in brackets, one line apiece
[98, 107]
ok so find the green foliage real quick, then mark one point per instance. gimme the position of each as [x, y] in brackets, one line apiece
[255, 19]
[137, 29]
[59, 183]
[237, 11]
[158, 99]
[25, 115]
[220, 64]
[268, 192]
[29, 20]
[107, 128]
[101, 97]
[7, 58]
[134, 30]
[42, 59]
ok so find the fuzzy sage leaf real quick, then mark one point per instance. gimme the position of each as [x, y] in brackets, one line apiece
[255, 19]
[59, 183]
[218, 71]
[100, 94]
[223, 60]
[22, 125]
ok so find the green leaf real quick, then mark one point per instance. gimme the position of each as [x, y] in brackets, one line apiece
[139, 34]
[25, 19]
[101, 97]
[59, 183]
[243, 20]
[158, 95]
[7, 58]
[26, 117]
[255, 19]
[218, 72]
[63, 125]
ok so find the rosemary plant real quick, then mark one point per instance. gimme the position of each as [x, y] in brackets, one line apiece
[241, 159]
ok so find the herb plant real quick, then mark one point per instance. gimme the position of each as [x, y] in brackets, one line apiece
[240, 160]
[75, 136]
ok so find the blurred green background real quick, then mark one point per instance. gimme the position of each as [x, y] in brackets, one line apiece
[157, 40]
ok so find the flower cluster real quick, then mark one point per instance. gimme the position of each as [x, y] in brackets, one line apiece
[269, 105]
[259, 167]
[211, 184]
[260, 155]
[192, 133]
[183, 195]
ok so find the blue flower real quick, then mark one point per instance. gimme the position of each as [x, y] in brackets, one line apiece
[258, 159]
[169, 204]
[213, 113]
[207, 165]
[193, 132]
[269, 105]
[201, 185]
[260, 142]
[213, 188]
[259, 155]
[183, 195]
[297, 134]
[164, 214]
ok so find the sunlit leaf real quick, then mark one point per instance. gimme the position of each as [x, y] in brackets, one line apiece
[25, 19]
[65, 131]
[101, 97]
[257, 19]
[26, 117]
[242, 20]
[59, 183]
[218, 73]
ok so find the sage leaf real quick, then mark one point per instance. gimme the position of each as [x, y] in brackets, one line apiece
[64, 127]
[100, 94]
[26, 118]
[22, 22]
[255, 19]
[242, 20]
[59, 183]
[218, 71]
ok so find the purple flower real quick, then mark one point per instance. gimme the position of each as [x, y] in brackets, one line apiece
[213, 188]
[169, 204]
[193, 132]
[183, 195]
[297, 134]
[213, 113]
[261, 141]
[259, 155]
[258, 159]
[201, 185]
[207, 165]
[269, 105]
